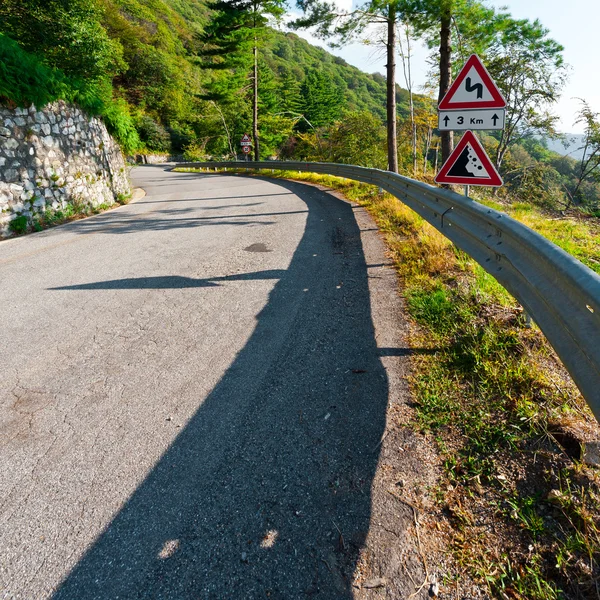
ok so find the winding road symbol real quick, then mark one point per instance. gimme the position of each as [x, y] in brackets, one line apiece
[475, 87]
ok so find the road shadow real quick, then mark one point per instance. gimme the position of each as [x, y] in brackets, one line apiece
[266, 491]
[169, 282]
[115, 223]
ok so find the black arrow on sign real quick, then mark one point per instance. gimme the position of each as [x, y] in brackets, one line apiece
[446, 119]
[495, 118]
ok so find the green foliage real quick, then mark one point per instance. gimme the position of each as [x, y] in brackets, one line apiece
[358, 138]
[120, 124]
[67, 33]
[153, 135]
[18, 225]
[320, 99]
[24, 79]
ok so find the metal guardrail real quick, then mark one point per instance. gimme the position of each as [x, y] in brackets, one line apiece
[560, 293]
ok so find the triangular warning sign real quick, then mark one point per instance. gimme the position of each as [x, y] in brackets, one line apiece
[246, 138]
[469, 165]
[473, 88]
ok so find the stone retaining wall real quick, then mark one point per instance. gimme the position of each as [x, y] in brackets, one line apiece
[55, 156]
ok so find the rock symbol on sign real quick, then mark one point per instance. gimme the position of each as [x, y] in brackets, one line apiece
[472, 89]
[469, 165]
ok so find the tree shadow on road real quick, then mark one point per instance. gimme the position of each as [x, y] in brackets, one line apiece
[266, 492]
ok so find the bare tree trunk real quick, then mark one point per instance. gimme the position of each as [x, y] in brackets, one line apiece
[406, 69]
[391, 91]
[446, 72]
[255, 105]
[427, 148]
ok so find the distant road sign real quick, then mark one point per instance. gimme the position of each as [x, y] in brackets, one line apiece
[472, 89]
[246, 149]
[245, 140]
[469, 165]
[471, 119]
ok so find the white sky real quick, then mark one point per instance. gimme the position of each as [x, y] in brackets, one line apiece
[573, 23]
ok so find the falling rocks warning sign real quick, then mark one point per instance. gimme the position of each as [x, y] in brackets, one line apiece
[469, 165]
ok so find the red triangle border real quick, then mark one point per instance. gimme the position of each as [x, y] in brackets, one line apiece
[494, 180]
[473, 61]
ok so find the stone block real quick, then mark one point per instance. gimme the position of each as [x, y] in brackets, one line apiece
[9, 144]
[20, 122]
[48, 141]
[46, 129]
[16, 190]
[10, 175]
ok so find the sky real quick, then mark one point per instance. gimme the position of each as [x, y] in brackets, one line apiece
[572, 23]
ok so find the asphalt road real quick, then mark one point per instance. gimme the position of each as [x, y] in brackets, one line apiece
[194, 390]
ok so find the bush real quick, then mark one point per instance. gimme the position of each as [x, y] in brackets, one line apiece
[25, 80]
[18, 225]
[120, 123]
[154, 135]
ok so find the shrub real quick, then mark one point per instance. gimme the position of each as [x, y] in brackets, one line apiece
[18, 225]
[154, 135]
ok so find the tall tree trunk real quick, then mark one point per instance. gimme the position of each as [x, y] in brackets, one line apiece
[447, 137]
[255, 105]
[391, 91]
[427, 148]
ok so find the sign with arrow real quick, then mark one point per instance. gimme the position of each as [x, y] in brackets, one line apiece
[469, 165]
[473, 89]
[471, 119]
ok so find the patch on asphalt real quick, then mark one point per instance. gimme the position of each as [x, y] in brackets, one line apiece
[257, 248]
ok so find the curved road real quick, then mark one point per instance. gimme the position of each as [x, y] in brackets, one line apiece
[194, 390]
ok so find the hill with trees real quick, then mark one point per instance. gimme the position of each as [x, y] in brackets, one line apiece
[169, 76]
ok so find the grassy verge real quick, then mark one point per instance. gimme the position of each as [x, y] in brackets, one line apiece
[53, 217]
[519, 507]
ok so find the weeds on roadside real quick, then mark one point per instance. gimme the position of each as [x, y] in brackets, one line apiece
[77, 209]
[522, 514]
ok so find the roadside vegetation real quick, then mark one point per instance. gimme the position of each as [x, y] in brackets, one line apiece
[179, 77]
[517, 503]
[71, 212]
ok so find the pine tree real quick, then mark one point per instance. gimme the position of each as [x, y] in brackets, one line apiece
[233, 38]
[321, 100]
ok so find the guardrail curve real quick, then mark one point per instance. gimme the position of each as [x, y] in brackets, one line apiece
[560, 293]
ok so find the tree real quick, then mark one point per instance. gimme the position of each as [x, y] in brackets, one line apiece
[474, 25]
[321, 103]
[67, 33]
[346, 26]
[528, 68]
[233, 38]
[589, 165]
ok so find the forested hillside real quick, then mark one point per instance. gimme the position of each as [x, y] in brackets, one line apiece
[149, 81]
[178, 76]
